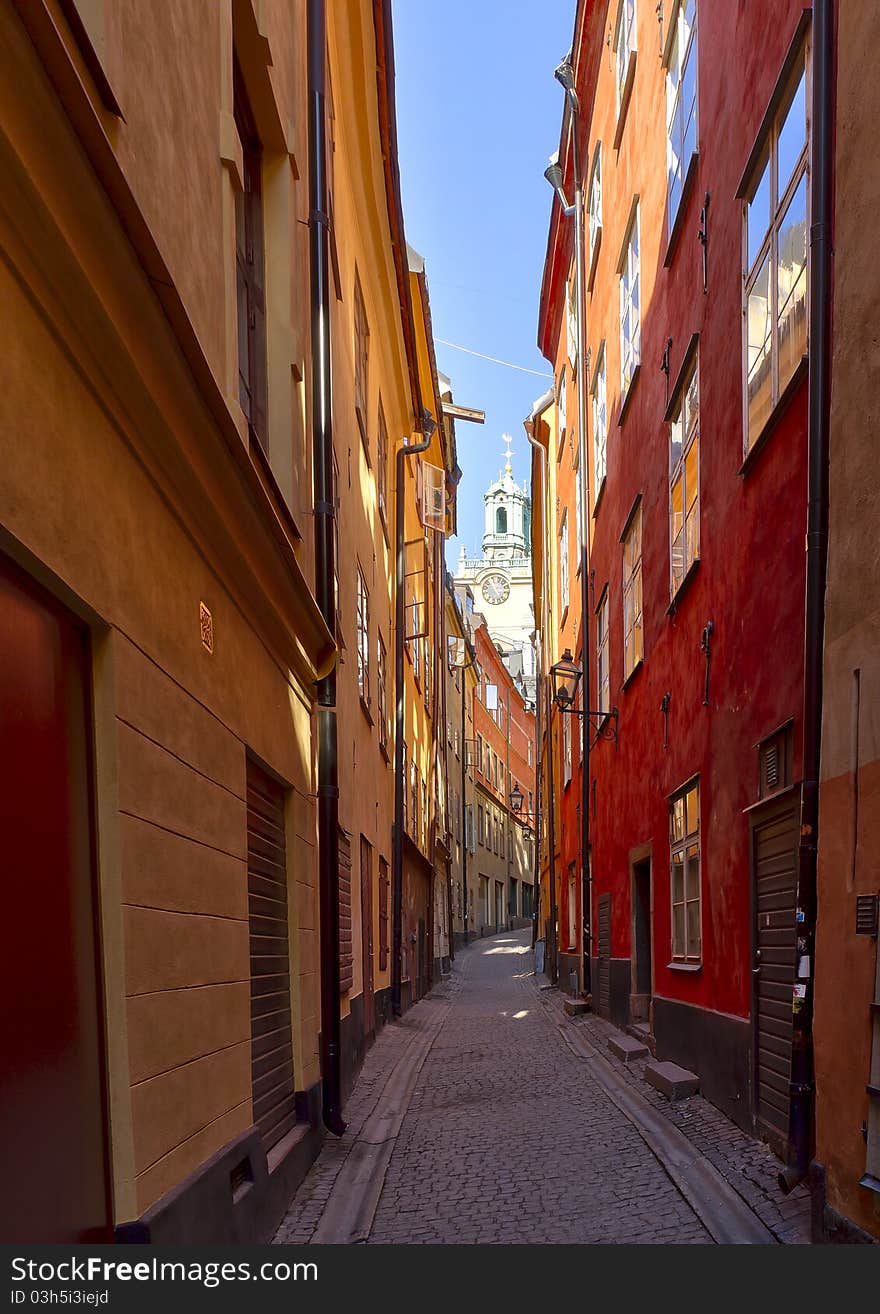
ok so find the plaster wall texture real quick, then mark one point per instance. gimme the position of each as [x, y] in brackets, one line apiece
[850, 784]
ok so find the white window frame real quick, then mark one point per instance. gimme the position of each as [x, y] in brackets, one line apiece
[682, 47]
[594, 204]
[769, 248]
[633, 631]
[690, 532]
[681, 842]
[603, 652]
[561, 407]
[382, 690]
[571, 319]
[625, 45]
[599, 406]
[566, 750]
[630, 306]
[363, 637]
[564, 577]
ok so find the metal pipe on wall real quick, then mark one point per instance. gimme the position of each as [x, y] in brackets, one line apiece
[325, 512]
[801, 1131]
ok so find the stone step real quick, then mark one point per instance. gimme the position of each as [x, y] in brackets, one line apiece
[627, 1048]
[672, 1081]
[575, 1007]
[642, 1031]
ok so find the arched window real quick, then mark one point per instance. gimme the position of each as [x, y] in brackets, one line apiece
[501, 520]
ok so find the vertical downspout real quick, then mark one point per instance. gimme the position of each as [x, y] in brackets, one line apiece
[403, 452]
[464, 847]
[801, 1130]
[322, 439]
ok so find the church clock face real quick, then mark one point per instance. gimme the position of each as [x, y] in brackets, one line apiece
[496, 588]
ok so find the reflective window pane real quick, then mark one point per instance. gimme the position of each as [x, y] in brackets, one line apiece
[692, 804]
[792, 284]
[759, 352]
[792, 136]
[758, 215]
[693, 930]
[678, 946]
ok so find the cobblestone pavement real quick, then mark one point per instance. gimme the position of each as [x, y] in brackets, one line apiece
[509, 1138]
[748, 1165]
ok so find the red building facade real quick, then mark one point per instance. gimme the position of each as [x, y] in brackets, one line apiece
[694, 138]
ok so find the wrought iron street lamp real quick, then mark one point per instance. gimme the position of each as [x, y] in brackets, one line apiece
[516, 800]
[565, 677]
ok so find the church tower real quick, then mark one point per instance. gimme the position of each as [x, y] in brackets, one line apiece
[501, 579]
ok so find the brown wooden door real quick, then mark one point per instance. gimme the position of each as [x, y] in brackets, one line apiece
[53, 1133]
[272, 1075]
[367, 934]
[774, 850]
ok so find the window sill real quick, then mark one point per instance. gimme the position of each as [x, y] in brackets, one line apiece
[678, 222]
[383, 749]
[362, 425]
[684, 967]
[597, 502]
[870, 1183]
[775, 416]
[365, 708]
[625, 404]
[594, 259]
[625, 98]
[683, 587]
[633, 673]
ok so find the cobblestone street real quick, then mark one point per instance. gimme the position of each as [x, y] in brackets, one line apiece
[507, 1136]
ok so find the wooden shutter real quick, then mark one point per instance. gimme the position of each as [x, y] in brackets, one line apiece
[383, 914]
[346, 957]
[272, 1077]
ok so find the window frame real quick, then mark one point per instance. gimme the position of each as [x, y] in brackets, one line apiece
[594, 212]
[564, 565]
[677, 471]
[382, 469]
[603, 647]
[599, 406]
[624, 57]
[382, 690]
[630, 349]
[633, 611]
[682, 843]
[691, 50]
[362, 631]
[765, 153]
[361, 330]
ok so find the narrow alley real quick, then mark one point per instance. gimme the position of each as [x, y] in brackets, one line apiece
[507, 1134]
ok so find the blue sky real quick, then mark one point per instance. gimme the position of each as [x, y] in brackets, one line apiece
[478, 114]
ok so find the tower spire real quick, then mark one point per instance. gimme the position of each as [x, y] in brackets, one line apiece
[507, 440]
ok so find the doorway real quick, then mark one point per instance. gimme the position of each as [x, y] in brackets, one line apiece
[774, 866]
[642, 970]
[53, 1131]
[499, 906]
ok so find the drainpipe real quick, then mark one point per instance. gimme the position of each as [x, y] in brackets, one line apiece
[801, 1132]
[403, 454]
[544, 691]
[322, 441]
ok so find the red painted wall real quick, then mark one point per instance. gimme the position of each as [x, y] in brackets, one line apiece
[749, 582]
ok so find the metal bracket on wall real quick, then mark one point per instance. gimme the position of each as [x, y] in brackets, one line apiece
[664, 708]
[706, 646]
[704, 241]
[604, 723]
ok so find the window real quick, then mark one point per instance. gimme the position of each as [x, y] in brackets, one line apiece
[501, 520]
[624, 47]
[630, 324]
[382, 691]
[414, 799]
[594, 203]
[681, 103]
[383, 914]
[250, 271]
[561, 404]
[563, 563]
[600, 422]
[571, 320]
[481, 824]
[684, 831]
[405, 794]
[684, 483]
[566, 750]
[382, 468]
[363, 638]
[632, 595]
[775, 300]
[361, 362]
[572, 907]
[603, 680]
[480, 753]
